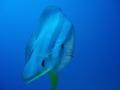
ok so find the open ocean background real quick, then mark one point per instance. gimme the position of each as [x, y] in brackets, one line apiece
[96, 62]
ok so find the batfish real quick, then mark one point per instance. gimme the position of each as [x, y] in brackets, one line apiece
[51, 48]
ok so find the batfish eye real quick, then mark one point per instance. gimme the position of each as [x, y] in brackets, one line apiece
[43, 63]
[62, 46]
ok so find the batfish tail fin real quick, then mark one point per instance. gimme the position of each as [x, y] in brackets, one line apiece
[54, 80]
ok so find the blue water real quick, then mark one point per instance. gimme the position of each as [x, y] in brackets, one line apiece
[96, 62]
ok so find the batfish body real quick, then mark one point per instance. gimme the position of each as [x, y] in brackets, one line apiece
[51, 49]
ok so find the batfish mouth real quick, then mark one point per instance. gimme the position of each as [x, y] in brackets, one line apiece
[27, 77]
[28, 74]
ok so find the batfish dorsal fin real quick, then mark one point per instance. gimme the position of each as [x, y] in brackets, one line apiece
[54, 80]
[29, 47]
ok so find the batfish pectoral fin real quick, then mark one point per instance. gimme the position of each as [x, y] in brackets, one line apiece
[54, 80]
[44, 72]
[45, 55]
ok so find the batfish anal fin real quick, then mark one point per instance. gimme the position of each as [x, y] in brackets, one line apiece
[29, 46]
[44, 72]
[54, 80]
